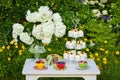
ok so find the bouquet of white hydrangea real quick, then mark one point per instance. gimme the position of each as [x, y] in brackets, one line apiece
[49, 24]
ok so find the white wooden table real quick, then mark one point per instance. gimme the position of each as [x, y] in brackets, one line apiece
[71, 71]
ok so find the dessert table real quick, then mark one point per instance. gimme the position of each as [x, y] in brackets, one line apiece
[72, 70]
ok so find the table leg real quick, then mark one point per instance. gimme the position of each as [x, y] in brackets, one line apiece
[31, 77]
[90, 77]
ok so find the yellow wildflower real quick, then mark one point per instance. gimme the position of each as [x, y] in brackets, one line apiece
[11, 42]
[91, 56]
[104, 59]
[66, 39]
[45, 44]
[81, 27]
[96, 54]
[49, 49]
[90, 40]
[20, 53]
[85, 39]
[16, 46]
[117, 52]
[105, 41]
[98, 59]
[87, 49]
[1, 50]
[106, 52]
[56, 39]
[9, 59]
[23, 47]
[15, 43]
[52, 3]
[102, 49]
[8, 47]
[3, 47]
[105, 62]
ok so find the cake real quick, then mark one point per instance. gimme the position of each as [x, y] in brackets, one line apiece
[75, 33]
[71, 44]
[83, 56]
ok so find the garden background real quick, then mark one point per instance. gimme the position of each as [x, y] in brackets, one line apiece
[103, 30]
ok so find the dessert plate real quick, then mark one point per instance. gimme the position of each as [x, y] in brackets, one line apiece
[44, 68]
[56, 68]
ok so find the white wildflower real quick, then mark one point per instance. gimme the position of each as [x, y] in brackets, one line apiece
[96, 12]
[103, 1]
[104, 12]
[92, 2]
[102, 5]
[85, 1]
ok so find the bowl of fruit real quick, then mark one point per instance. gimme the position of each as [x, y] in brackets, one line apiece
[40, 64]
[82, 64]
[60, 65]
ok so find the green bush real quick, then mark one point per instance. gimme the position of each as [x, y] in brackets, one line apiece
[104, 33]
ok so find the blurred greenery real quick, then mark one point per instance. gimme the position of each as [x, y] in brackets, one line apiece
[104, 33]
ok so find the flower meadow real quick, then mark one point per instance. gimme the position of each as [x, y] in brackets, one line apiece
[47, 22]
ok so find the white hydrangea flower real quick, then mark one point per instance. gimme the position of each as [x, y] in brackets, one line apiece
[17, 30]
[48, 29]
[96, 12]
[60, 29]
[56, 17]
[24, 37]
[45, 14]
[46, 40]
[33, 17]
[104, 12]
[37, 32]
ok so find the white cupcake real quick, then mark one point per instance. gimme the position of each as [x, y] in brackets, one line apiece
[69, 45]
[70, 34]
[80, 33]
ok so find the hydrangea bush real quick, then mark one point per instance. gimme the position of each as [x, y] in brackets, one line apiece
[46, 23]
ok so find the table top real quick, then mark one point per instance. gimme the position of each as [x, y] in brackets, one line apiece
[71, 68]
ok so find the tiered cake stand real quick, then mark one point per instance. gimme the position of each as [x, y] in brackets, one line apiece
[75, 46]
